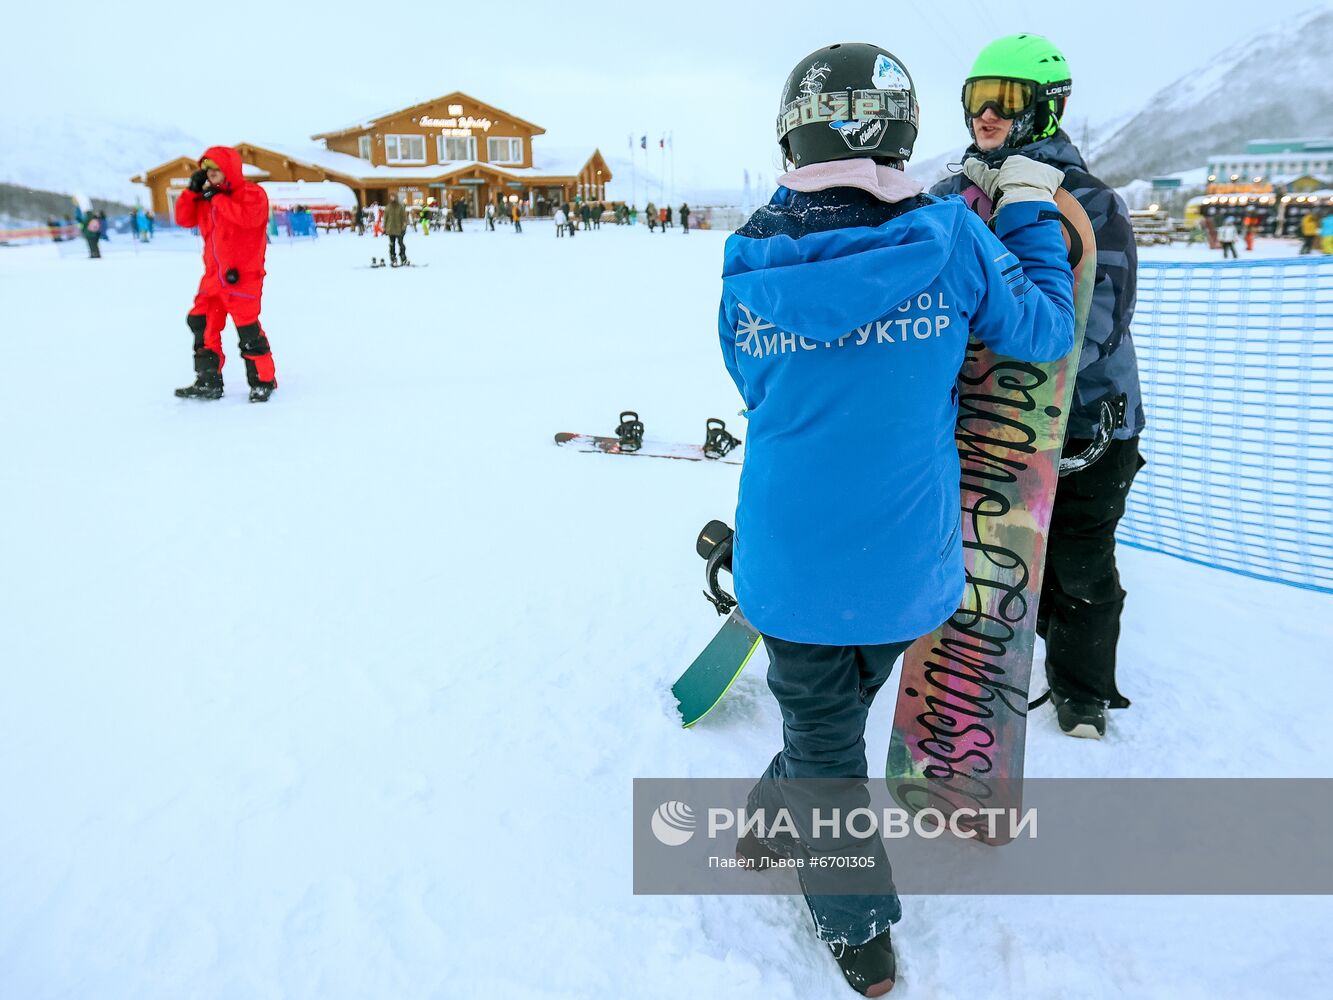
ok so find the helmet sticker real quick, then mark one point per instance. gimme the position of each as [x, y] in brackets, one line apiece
[860, 135]
[813, 81]
[888, 75]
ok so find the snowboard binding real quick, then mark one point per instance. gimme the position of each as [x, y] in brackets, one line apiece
[717, 440]
[376, 261]
[714, 545]
[1111, 419]
[630, 431]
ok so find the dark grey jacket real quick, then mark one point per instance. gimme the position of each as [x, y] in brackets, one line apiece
[1108, 366]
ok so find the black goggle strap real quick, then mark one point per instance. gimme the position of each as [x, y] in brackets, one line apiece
[848, 105]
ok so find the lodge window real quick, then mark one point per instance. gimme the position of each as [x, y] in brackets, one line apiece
[504, 150]
[363, 147]
[450, 149]
[405, 148]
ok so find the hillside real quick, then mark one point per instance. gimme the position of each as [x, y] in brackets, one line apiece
[93, 157]
[1274, 84]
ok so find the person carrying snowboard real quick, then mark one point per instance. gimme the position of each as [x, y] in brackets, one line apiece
[1012, 103]
[232, 216]
[395, 226]
[847, 305]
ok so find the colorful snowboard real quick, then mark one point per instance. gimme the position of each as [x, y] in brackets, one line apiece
[714, 670]
[650, 449]
[960, 723]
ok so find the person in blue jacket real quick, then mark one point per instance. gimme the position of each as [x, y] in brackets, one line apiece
[847, 305]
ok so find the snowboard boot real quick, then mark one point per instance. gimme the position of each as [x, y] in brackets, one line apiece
[1078, 717]
[260, 391]
[869, 968]
[208, 385]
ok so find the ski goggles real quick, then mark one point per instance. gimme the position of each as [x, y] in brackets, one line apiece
[846, 106]
[1008, 97]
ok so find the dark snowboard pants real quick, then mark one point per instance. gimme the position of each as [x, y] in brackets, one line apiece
[1229, 250]
[93, 249]
[1081, 597]
[396, 248]
[824, 693]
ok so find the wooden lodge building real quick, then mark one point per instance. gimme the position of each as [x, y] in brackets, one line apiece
[450, 148]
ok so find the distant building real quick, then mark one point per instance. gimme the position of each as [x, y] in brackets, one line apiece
[1274, 162]
[450, 148]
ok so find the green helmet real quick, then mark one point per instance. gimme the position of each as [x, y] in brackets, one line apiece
[1025, 79]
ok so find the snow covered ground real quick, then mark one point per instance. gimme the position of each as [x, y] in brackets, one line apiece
[342, 696]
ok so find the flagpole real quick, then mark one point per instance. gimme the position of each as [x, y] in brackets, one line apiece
[671, 145]
[633, 173]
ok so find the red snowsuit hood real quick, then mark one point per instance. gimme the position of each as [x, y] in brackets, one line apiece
[229, 162]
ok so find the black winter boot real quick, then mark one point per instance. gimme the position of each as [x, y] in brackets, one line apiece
[260, 391]
[869, 968]
[1078, 717]
[208, 385]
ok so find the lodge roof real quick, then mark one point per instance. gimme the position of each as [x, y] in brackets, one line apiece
[554, 165]
[456, 96]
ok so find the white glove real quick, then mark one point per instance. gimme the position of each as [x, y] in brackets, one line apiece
[1017, 179]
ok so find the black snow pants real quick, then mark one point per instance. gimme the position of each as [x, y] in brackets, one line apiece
[1081, 597]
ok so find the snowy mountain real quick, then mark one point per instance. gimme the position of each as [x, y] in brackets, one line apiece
[1273, 84]
[94, 157]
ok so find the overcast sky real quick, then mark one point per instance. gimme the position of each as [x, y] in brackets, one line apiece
[590, 73]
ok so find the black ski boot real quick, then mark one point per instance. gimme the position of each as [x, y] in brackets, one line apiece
[208, 385]
[1078, 717]
[869, 968]
[260, 391]
[630, 431]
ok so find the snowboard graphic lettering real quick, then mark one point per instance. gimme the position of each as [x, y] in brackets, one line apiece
[961, 717]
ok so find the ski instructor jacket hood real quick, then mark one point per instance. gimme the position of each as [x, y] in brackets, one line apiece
[844, 323]
[234, 227]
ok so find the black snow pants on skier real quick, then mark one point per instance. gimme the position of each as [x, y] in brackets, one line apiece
[1081, 597]
[825, 694]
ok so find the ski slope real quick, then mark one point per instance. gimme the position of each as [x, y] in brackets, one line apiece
[343, 695]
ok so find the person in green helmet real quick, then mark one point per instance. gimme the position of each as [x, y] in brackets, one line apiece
[1013, 101]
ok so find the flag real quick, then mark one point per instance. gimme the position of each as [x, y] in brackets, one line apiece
[643, 141]
[661, 142]
[630, 139]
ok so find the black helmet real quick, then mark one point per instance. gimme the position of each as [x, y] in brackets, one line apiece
[845, 101]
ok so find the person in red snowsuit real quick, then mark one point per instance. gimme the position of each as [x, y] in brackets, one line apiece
[232, 216]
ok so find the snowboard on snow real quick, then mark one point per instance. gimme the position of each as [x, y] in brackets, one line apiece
[960, 722]
[718, 446]
[713, 671]
[377, 262]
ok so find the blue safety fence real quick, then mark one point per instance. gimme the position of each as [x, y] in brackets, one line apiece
[1237, 367]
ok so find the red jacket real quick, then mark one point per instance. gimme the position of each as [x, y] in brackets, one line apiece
[233, 223]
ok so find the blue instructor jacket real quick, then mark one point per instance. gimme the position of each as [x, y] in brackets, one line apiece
[844, 323]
